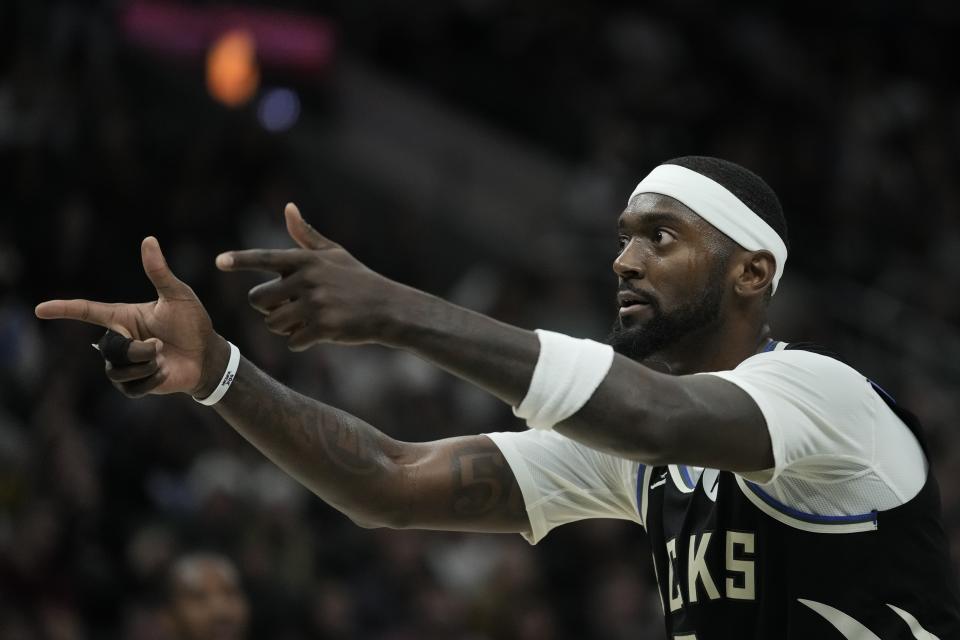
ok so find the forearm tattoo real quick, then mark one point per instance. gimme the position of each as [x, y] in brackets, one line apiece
[355, 468]
[348, 447]
[298, 433]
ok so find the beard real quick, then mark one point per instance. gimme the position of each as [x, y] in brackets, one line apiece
[642, 339]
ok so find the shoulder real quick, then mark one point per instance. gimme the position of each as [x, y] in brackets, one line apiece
[800, 371]
[804, 374]
[812, 403]
[798, 359]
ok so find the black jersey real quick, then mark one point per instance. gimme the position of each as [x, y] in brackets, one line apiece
[733, 563]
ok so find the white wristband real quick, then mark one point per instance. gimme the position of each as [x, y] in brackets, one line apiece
[226, 380]
[568, 371]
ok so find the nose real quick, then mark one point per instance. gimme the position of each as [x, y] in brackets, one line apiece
[629, 263]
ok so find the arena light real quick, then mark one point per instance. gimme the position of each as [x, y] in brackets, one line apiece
[278, 109]
[232, 71]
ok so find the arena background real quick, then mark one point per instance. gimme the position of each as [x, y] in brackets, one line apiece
[478, 149]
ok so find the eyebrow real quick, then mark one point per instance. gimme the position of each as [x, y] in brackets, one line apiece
[654, 217]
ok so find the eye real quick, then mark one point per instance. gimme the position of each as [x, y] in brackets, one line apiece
[622, 243]
[661, 237]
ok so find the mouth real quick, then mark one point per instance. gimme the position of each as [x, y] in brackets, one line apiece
[634, 309]
[632, 304]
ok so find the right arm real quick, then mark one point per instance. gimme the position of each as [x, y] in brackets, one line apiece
[457, 484]
[462, 484]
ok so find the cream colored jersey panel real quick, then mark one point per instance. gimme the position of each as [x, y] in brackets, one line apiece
[838, 448]
[564, 481]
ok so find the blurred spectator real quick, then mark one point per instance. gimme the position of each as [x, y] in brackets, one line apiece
[206, 599]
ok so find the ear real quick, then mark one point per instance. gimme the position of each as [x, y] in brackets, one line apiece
[754, 274]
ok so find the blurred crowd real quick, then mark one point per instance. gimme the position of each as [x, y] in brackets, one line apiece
[854, 119]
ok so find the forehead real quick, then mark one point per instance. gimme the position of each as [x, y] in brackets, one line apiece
[655, 207]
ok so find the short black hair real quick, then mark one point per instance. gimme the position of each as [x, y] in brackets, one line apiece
[743, 183]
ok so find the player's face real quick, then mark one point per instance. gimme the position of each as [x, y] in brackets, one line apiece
[208, 603]
[671, 267]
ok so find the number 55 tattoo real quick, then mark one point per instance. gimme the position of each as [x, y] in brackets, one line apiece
[484, 484]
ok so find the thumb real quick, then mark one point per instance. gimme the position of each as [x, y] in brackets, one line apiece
[155, 266]
[302, 233]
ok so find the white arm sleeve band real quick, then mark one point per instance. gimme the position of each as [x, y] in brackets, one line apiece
[568, 371]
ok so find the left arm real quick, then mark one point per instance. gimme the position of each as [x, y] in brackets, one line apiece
[662, 419]
[325, 294]
[636, 412]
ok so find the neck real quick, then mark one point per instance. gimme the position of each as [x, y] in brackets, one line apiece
[717, 348]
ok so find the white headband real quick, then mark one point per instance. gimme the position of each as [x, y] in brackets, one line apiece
[725, 211]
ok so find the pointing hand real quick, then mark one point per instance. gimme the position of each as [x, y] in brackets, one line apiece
[174, 348]
[322, 294]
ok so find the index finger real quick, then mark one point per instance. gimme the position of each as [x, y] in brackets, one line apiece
[99, 313]
[282, 261]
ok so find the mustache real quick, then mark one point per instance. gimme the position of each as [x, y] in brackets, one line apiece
[643, 296]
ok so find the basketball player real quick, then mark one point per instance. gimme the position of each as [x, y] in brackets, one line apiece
[785, 495]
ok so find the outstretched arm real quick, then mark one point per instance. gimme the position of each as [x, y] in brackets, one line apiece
[325, 294]
[457, 484]
[636, 412]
